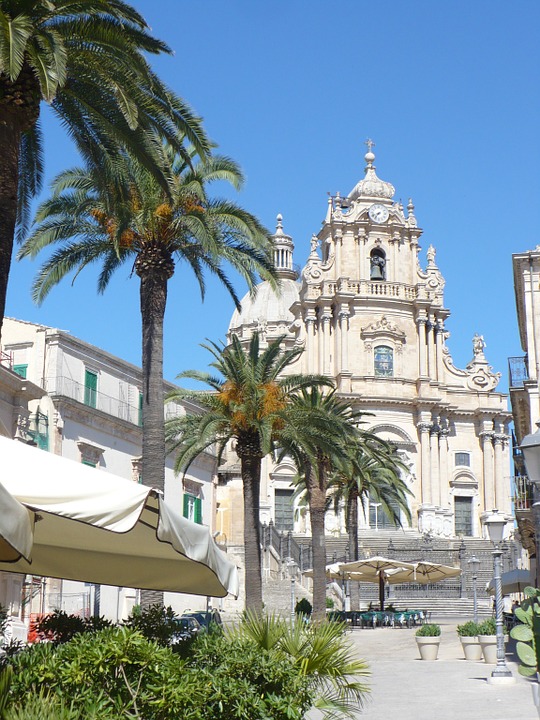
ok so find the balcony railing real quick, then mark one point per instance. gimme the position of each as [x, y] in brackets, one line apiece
[117, 407]
[523, 498]
[518, 371]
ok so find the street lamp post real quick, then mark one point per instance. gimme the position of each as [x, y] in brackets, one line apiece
[495, 525]
[292, 569]
[530, 447]
[376, 506]
[474, 564]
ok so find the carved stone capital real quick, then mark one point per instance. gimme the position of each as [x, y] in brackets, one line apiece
[424, 427]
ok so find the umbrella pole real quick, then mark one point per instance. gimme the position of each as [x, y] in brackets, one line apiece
[381, 591]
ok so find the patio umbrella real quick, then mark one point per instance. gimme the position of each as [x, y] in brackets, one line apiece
[513, 581]
[96, 527]
[425, 572]
[377, 569]
[16, 528]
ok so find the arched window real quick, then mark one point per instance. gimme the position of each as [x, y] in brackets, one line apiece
[377, 261]
[383, 361]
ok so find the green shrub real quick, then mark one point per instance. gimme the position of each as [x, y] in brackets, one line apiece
[157, 623]
[429, 630]
[59, 627]
[117, 673]
[488, 627]
[303, 607]
[468, 629]
[330, 604]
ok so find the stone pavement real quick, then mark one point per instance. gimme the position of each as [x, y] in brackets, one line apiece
[407, 688]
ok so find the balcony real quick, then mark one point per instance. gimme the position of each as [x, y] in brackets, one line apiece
[119, 408]
[518, 371]
[523, 496]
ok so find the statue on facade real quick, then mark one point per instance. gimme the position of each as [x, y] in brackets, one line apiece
[478, 344]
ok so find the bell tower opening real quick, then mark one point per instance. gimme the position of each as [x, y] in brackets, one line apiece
[377, 263]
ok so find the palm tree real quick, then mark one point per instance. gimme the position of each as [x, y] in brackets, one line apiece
[86, 60]
[247, 403]
[374, 473]
[320, 429]
[111, 218]
[321, 653]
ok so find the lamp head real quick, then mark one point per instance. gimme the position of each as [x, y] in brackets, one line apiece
[530, 447]
[495, 525]
[474, 564]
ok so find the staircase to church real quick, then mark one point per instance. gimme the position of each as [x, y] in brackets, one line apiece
[452, 597]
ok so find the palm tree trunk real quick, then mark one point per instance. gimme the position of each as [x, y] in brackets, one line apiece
[317, 510]
[10, 141]
[153, 299]
[251, 480]
[352, 523]
[19, 111]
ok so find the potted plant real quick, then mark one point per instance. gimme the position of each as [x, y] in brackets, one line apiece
[468, 634]
[428, 639]
[487, 637]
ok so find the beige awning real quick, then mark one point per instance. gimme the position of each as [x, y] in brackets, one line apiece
[96, 527]
[16, 528]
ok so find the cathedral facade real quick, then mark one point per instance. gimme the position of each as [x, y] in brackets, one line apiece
[371, 317]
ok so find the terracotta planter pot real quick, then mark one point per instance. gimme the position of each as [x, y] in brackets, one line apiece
[489, 648]
[428, 647]
[471, 648]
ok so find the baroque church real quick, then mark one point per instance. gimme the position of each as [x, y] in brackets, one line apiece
[369, 315]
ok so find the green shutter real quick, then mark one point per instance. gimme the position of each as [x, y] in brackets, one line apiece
[90, 464]
[186, 505]
[20, 370]
[90, 388]
[198, 511]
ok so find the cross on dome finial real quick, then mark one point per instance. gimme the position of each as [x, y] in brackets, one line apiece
[370, 144]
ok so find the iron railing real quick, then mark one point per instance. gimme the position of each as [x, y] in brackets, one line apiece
[523, 493]
[117, 407]
[518, 371]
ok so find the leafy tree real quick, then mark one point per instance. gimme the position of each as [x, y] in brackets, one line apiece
[248, 403]
[110, 218]
[373, 473]
[87, 61]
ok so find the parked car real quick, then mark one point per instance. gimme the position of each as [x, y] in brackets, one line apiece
[207, 619]
[186, 627]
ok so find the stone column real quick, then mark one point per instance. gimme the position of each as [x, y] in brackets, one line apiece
[489, 485]
[439, 329]
[421, 326]
[311, 354]
[432, 369]
[326, 329]
[434, 474]
[425, 471]
[344, 330]
[443, 455]
[501, 494]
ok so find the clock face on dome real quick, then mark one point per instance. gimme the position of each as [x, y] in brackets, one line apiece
[378, 213]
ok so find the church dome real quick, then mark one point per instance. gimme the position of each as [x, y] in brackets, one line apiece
[269, 307]
[371, 186]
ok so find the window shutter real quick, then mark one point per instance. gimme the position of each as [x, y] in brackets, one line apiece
[198, 511]
[186, 505]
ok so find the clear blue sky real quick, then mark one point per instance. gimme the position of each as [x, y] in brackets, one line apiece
[449, 91]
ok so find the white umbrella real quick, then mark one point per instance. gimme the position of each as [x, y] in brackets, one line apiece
[424, 572]
[377, 569]
[96, 527]
[513, 581]
[16, 528]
